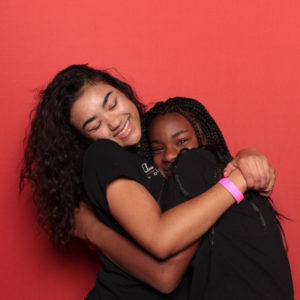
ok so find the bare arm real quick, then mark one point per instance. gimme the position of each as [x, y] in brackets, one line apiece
[163, 275]
[135, 209]
[166, 234]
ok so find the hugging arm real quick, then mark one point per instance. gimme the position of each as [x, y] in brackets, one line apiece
[163, 275]
[135, 209]
[170, 232]
[164, 234]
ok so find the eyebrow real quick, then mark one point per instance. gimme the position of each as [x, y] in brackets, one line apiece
[106, 99]
[94, 117]
[175, 135]
[88, 121]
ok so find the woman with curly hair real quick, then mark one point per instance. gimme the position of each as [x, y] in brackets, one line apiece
[82, 105]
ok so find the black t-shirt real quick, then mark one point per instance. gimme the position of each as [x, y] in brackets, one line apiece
[248, 259]
[105, 161]
[197, 168]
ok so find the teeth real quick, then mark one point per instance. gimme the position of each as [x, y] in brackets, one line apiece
[124, 129]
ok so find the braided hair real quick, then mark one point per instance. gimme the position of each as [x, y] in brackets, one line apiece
[197, 115]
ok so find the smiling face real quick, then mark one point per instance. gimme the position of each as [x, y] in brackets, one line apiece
[168, 135]
[102, 111]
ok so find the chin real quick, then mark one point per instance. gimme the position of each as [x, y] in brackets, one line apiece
[163, 173]
[135, 139]
[130, 143]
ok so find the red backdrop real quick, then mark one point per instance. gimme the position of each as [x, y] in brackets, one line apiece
[240, 57]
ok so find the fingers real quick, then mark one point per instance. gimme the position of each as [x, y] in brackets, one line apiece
[256, 170]
[265, 194]
[229, 168]
[262, 175]
[83, 221]
[83, 205]
[268, 189]
[272, 178]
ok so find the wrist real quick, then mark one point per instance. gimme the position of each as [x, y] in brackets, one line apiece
[232, 189]
[92, 231]
[238, 180]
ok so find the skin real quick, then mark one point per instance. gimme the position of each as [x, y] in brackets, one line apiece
[162, 275]
[169, 134]
[103, 112]
[258, 173]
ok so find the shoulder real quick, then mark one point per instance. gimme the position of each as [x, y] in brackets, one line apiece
[195, 170]
[103, 147]
[197, 158]
[105, 161]
[106, 152]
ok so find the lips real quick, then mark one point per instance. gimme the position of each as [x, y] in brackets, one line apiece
[167, 170]
[124, 132]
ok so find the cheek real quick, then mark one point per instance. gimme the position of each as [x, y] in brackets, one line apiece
[195, 143]
[99, 134]
[135, 113]
[90, 137]
[189, 147]
[156, 161]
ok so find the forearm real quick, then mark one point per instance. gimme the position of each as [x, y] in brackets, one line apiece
[192, 220]
[163, 275]
[168, 233]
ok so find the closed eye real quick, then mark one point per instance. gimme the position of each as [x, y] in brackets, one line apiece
[114, 104]
[95, 128]
[156, 149]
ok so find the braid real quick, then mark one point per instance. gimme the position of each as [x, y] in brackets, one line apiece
[198, 116]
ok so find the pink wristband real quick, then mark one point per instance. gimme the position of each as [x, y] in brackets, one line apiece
[232, 189]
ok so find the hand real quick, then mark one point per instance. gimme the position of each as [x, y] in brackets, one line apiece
[84, 221]
[256, 170]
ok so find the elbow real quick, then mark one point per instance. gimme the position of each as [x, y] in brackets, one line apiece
[161, 249]
[168, 289]
[167, 282]
[161, 254]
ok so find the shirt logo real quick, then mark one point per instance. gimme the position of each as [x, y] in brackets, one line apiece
[149, 170]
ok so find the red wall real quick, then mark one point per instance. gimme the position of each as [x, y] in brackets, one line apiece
[241, 58]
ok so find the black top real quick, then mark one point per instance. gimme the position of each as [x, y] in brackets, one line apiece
[197, 168]
[105, 161]
[248, 259]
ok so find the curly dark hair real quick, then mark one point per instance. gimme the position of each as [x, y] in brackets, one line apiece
[197, 114]
[54, 150]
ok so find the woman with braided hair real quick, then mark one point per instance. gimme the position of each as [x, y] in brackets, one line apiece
[82, 105]
[246, 248]
[242, 256]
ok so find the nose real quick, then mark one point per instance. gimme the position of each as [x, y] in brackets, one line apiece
[170, 154]
[113, 123]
